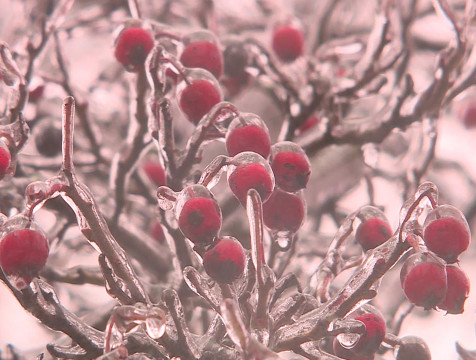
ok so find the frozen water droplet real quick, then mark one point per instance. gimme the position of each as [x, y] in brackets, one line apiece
[348, 340]
[35, 192]
[166, 197]
[212, 173]
[283, 239]
[18, 282]
[371, 155]
[155, 323]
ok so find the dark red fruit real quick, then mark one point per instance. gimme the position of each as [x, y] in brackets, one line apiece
[309, 124]
[248, 132]
[236, 59]
[283, 211]
[251, 176]
[156, 232]
[23, 254]
[132, 48]
[469, 118]
[48, 141]
[205, 55]
[412, 348]
[200, 219]
[234, 85]
[458, 291]
[288, 43]
[290, 166]
[197, 98]
[155, 172]
[348, 354]
[36, 93]
[447, 237]
[5, 159]
[225, 261]
[423, 281]
[372, 233]
[373, 336]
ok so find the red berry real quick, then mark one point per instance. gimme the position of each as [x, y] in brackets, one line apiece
[370, 340]
[469, 118]
[5, 159]
[424, 280]
[446, 233]
[234, 85]
[156, 232]
[205, 55]
[155, 172]
[412, 348]
[132, 47]
[309, 124]
[248, 132]
[372, 233]
[197, 98]
[283, 211]
[199, 216]
[236, 59]
[251, 172]
[348, 354]
[288, 43]
[290, 165]
[48, 139]
[458, 291]
[225, 261]
[23, 254]
[36, 93]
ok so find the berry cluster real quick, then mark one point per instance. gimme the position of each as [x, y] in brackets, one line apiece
[428, 278]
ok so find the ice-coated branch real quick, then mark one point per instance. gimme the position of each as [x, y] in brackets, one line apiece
[360, 286]
[41, 301]
[204, 131]
[81, 107]
[90, 220]
[123, 162]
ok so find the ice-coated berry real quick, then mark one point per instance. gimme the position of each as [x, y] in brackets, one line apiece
[200, 219]
[424, 280]
[48, 140]
[205, 55]
[197, 98]
[23, 253]
[373, 336]
[225, 261]
[235, 59]
[247, 132]
[132, 47]
[5, 159]
[458, 290]
[251, 173]
[155, 172]
[156, 232]
[412, 348]
[288, 43]
[446, 233]
[283, 211]
[348, 354]
[290, 165]
[372, 233]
